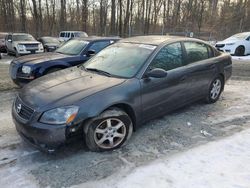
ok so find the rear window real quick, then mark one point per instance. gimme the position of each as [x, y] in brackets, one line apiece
[196, 51]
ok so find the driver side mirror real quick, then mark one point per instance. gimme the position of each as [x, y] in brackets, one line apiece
[90, 53]
[156, 73]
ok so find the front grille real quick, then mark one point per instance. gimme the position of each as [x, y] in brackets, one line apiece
[219, 45]
[23, 110]
[31, 46]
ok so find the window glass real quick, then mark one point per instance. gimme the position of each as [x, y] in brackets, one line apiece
[62, 34]
[98, 46]
[169, 57]
[23, 37]
[196, 51]
[72, 47]
[121, 59]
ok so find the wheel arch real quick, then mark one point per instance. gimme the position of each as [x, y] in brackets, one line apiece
[123, 106]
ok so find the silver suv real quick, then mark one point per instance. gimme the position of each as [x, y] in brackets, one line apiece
[22, 44]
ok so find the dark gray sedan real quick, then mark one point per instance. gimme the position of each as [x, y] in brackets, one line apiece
[123, 86]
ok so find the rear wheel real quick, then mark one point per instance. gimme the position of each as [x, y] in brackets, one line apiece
[215, 90]
[108, 131]
[240, 51]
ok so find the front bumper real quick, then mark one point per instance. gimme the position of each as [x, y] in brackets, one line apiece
[17, 77]
[30, 51]
[44, 137]
[225, 48]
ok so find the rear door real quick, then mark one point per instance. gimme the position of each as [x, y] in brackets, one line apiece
[160, 95]
[201, 67]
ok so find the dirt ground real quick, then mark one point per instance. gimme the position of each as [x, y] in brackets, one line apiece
[197, 124]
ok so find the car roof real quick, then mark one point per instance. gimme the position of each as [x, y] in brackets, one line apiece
[72, 32]
[96, 38]
[19, 34]
[156, 39]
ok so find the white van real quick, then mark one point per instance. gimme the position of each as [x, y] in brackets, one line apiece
[66, 35]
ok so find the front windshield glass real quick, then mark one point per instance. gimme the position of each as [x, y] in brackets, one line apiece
[22, 37]
[81, 34]
[121, 59]
[239, 36]
[72, 47]
[51, 40]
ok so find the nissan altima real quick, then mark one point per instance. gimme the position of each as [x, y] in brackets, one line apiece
[109, 97]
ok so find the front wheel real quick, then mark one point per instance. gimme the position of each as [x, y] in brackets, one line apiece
[108, 131]
[215, 90]
[240, 51]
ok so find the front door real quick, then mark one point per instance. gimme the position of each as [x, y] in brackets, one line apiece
[160, 95]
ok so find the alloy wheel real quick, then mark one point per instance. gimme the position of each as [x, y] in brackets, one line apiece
[109, 133]
[216, 89]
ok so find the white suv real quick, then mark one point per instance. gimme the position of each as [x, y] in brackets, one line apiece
[66, 35]
[22, 44]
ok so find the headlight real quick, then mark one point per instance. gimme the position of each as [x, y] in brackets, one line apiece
[63, 115]
[40, 46]
[230, 44]
[26, 69]
[21, 47]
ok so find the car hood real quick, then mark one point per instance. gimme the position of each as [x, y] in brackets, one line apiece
[229, 40]
[39, 58]
[65, 87]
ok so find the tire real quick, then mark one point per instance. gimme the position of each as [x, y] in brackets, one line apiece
[240, 51]
[108, 131]
[8, 52]
[215, 89]
[17, 54]
[53, 70]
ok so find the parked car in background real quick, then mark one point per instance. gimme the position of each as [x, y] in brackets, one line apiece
[238, 44]
[66, 35]
[50, 44]
[2, 42]
[72, 53]
[22, 44]
[123, 86]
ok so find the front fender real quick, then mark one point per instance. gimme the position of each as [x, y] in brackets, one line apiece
[48, 65]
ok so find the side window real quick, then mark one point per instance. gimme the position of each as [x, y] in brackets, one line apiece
[248, 38]
[196, 51]
[62, 34]
[72, 35]
[67, 35]
[168, 58]
[98, 46]
[9, 37]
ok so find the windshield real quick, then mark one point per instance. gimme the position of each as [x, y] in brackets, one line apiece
[121, 59]
[80, 34]
[25, 37]
[72, 47]
[239, 36]
[51, 40]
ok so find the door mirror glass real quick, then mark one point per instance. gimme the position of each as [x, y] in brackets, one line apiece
[157, 73]
[90, 53]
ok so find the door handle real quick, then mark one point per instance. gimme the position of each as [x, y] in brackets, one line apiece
[211, 66]
[183, 78]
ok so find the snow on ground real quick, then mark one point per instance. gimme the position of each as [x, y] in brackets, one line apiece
[6, 59]
[225, 163]
[241, 58]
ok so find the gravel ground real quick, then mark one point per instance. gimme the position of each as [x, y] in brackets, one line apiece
[194, 125]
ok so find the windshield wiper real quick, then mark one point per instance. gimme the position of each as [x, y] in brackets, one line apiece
[99, 71]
